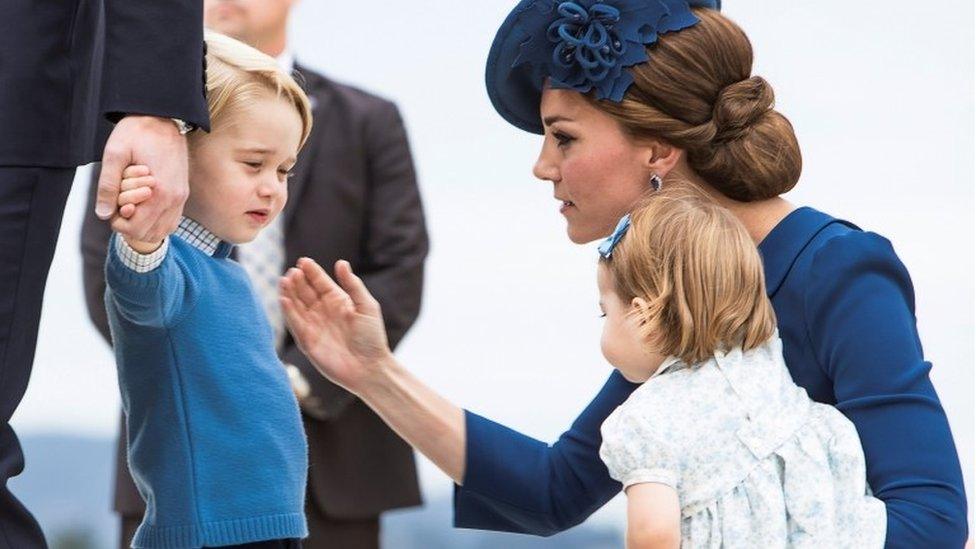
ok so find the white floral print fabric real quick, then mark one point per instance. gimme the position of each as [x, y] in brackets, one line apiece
[755, 462]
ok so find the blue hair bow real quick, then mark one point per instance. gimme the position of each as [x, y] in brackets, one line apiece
[607, 246]
[588, 43]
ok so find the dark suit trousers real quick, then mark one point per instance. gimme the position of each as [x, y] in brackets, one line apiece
[31, 204]
[324, 533]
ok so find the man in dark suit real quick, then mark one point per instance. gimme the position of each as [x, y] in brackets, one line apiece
[353, 196]
[67, 68]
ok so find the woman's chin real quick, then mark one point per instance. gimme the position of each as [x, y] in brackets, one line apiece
[578, 236]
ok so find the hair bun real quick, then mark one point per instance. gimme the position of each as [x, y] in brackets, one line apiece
[740, 105]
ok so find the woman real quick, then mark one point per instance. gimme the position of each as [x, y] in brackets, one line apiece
[619, 120]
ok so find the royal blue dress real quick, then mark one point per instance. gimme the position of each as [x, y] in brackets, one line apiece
[846, 311]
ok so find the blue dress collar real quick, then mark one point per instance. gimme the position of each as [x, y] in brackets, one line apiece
[783, 245]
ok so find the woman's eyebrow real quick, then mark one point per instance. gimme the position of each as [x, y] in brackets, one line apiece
[550, 120]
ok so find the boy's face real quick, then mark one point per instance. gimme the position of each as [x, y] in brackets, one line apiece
[622, 342]
[239, 172]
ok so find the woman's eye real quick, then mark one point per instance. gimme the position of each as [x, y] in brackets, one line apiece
[285, 174]
[562, 139]
[603, 315]
[255, 165]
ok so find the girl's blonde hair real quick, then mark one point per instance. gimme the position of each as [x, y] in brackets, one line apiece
[699, 273]
[238, 74]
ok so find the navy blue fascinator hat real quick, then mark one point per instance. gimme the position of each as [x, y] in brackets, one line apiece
[581, 45]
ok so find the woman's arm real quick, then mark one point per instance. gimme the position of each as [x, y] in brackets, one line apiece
[506, 481]
[653, 517]
[861, 322]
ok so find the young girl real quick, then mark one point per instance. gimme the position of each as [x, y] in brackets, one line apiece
[215, 438]
[718, 447]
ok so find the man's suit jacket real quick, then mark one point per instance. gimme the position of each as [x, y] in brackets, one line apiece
[353, 196]
[66, 65]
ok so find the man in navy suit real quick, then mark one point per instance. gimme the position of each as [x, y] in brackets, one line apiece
[67, 69]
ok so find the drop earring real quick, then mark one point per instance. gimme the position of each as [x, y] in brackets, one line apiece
[656, 182]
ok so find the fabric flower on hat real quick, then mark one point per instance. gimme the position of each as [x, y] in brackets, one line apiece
[587, 44]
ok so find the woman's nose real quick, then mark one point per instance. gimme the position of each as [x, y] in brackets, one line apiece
[545, 169]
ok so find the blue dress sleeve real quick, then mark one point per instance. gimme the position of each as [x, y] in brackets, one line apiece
[514, 483]
[860, 309]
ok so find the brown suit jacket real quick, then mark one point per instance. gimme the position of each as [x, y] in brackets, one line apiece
[354, 196]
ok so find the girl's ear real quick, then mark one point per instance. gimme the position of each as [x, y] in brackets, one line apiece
[638, 308]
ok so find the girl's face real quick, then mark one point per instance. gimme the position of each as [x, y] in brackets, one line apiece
[598, 172]
[239, 172]
[622, 343]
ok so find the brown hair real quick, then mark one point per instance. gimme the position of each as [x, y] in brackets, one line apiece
[237, 73]
[696, 92]
[699, 272]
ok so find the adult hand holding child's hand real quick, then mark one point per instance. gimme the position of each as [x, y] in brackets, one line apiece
[338, 326]
[157, 143]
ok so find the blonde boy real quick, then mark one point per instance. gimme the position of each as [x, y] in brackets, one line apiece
[215, 438]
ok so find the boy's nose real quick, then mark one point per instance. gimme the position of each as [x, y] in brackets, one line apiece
[270, 186]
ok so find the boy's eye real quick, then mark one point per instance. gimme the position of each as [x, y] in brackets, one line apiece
[603, 315]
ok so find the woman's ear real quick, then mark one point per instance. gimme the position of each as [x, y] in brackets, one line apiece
[661, 157]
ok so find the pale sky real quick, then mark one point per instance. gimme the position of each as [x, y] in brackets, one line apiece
[880, 94]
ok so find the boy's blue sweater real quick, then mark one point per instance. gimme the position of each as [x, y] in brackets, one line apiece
[215, 438]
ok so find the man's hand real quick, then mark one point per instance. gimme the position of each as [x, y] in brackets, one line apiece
[338, 326]
[157, 144]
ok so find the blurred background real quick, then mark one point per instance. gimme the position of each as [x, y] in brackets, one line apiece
[881, 96]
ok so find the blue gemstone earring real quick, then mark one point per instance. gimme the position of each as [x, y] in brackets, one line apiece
[656, 182]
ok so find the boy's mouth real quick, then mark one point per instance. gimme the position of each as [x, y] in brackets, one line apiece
[259, 216]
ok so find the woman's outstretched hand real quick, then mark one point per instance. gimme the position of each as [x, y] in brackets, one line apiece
[339, 327]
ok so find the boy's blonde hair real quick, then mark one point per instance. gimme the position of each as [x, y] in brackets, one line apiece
[238, 73]
[699, 272]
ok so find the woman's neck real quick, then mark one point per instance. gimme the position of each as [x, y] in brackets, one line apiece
[759, 218]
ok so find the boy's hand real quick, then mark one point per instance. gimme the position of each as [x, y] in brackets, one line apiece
[136, 187]
[338, 326]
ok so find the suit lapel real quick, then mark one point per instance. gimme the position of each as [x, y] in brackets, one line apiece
[320, 95]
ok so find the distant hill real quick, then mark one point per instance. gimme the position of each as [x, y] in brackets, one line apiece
[68, 480]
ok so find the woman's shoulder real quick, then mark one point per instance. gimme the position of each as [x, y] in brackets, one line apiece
[839, 242]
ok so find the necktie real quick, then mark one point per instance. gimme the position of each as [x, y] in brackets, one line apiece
[264, 260]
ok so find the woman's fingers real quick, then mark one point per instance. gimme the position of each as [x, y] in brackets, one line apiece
[306, 293]
[290, 288]
[364, 301]
[326, 289]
